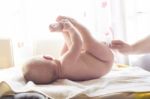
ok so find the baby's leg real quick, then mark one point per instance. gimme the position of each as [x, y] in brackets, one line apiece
[84, 33]
[94, 47]
[73, 41]
[64, 49]
[58, 27]
[74, 49]
[67, 43]
[68, 31]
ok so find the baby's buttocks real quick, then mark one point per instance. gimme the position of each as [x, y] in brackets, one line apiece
[87, 67]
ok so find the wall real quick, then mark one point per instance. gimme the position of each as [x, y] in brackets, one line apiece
[25, 49]
[48, 47]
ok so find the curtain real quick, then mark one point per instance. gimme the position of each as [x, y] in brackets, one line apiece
[26, 21]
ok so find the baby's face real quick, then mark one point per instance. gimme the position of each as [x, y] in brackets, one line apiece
[41, 70]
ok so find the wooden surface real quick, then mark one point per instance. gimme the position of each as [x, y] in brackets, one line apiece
[5, 53]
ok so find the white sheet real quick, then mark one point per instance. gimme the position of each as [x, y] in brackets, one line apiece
[131, 79]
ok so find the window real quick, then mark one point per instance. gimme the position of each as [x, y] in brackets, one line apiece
[27, 20]
[137, 19]
[137, 15]
[31, 18]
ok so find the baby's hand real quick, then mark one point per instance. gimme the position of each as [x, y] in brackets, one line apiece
[67, 25]
[56, 27]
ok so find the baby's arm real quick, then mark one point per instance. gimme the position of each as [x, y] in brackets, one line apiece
[57, 27]
[75, 45]
[73, 42]
[64, 49]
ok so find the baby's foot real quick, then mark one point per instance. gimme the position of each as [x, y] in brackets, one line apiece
[56, 27]
[73, 21]
[59, 18]
[67, 25]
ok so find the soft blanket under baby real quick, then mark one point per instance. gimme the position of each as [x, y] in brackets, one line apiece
[125, 82]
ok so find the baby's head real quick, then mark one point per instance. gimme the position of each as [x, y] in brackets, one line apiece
[41, 70]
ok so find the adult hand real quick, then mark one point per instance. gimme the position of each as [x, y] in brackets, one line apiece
[121, 46]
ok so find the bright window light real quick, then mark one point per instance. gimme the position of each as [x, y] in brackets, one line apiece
[31, 18]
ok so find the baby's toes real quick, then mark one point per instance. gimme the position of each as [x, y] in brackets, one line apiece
[56, 27]
[59, 18]
[51, 28]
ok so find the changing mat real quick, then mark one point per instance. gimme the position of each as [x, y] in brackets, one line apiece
[125, 80]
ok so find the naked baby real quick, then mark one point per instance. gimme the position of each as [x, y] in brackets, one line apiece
[82, 57]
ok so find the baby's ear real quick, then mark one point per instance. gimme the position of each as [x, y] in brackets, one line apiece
[48, 57]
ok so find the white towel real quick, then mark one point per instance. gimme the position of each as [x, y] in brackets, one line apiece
[131, 79]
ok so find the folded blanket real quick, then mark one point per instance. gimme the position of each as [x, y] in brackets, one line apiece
[117, 82]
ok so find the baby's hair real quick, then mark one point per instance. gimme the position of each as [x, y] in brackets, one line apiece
[39, 72]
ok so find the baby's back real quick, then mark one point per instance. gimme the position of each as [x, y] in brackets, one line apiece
[85, 68]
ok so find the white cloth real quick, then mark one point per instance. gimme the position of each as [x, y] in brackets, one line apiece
[131, 79]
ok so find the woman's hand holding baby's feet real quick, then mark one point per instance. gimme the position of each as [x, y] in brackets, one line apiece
[56, 27]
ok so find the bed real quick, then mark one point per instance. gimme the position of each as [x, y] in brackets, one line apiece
[121, 83]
